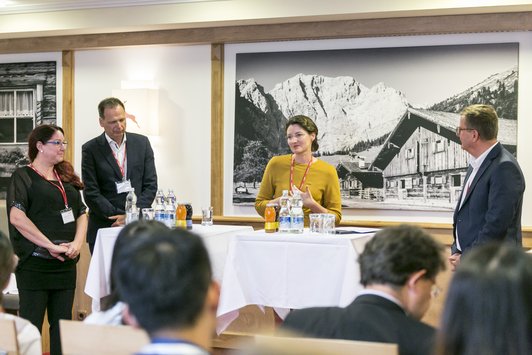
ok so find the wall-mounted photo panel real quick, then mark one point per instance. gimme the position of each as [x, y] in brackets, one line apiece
[386, 110]
[28, 98]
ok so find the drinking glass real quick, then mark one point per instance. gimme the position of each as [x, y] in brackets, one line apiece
[206, 216]
[315, 222]
[328, 225]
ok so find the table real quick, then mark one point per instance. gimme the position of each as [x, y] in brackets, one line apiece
[290, 271]
[216, 239]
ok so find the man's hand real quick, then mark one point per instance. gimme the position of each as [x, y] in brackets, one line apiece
[454, 260]
[119, 220]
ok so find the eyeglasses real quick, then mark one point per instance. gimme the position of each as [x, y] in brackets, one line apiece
[57, 142]
[459, 130]
[435, 291]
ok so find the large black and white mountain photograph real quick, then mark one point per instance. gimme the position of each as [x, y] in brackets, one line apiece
[386, 116]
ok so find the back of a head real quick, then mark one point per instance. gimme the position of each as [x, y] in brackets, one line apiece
[489, 305]
[131, 232]
[394, 253]
[7, 261]
[164, 279]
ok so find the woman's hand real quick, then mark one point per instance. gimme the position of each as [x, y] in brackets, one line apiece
[73, 249]
[308, 200]
[57, 250]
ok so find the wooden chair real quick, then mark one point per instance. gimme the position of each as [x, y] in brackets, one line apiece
[8, 337]
[313, 346]
[78, 338]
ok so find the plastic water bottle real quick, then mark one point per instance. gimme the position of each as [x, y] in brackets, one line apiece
[170, 209]
[132, 212]
[296, 214]
[284, 213]
[160, 211]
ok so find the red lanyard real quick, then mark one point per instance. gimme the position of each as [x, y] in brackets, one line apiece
[123, 166]
[59, 186]
[292, 173]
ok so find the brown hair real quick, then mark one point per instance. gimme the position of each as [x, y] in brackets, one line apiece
[7, 264]
[308, 125]
[110, 102]
[65, 170]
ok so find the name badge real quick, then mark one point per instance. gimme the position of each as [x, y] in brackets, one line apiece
[123, 186]
[67, 215]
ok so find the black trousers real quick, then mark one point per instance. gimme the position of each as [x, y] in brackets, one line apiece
[58, 303]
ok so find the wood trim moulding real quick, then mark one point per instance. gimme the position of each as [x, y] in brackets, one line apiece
[217, 128]
[441, 231]
[397, 26]
[68, 103]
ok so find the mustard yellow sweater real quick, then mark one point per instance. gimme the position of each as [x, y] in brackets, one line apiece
[321, 178]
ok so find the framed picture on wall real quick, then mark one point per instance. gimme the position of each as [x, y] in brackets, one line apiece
[28, 98]
[386, 115]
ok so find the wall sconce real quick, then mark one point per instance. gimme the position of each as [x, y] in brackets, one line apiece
[142, 109]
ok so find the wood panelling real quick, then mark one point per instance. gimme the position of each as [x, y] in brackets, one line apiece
[401, 26]
[442, 232]
[217, 127]
[68, 103]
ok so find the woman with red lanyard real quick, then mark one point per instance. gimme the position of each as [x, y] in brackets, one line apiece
[47, 226]
[301, 171]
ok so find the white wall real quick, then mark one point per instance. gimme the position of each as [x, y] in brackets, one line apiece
[524, 144]
[183, 76]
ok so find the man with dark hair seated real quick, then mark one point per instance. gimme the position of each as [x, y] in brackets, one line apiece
[166, 283]
[398, 269]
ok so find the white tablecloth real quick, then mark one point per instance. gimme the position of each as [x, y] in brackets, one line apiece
[216, 239]
[289, 271]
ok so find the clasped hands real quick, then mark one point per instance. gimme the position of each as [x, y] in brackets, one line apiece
[70, 250]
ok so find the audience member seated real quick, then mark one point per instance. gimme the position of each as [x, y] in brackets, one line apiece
[166, 283]
[398, 269]
[28, 336]
[488, 309]
[112, 308]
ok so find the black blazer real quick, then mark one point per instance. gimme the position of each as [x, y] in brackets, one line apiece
[493, 204]
[100, 172]
[367, 318]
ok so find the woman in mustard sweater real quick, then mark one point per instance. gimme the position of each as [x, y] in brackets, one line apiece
[301, 171]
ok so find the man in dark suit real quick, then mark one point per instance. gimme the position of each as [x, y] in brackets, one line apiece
[490, 204]
[111, 164]
[398, 269]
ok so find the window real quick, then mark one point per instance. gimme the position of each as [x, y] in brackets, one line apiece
[410, 153]
[456, 180]
[17, 115]
[438, 146]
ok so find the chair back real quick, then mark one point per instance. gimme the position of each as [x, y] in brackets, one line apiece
[8, 337]
[313, 346]
[78, 338]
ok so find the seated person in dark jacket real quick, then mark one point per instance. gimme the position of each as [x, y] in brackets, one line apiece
[398, 269]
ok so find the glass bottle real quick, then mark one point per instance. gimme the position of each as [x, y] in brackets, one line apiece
[270, 225]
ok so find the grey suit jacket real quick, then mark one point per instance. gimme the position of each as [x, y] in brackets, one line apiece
[367, 318]
[493, 204]
[100, 172]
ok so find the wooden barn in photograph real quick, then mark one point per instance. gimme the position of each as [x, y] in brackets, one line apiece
[422, 161]
[359, 182]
